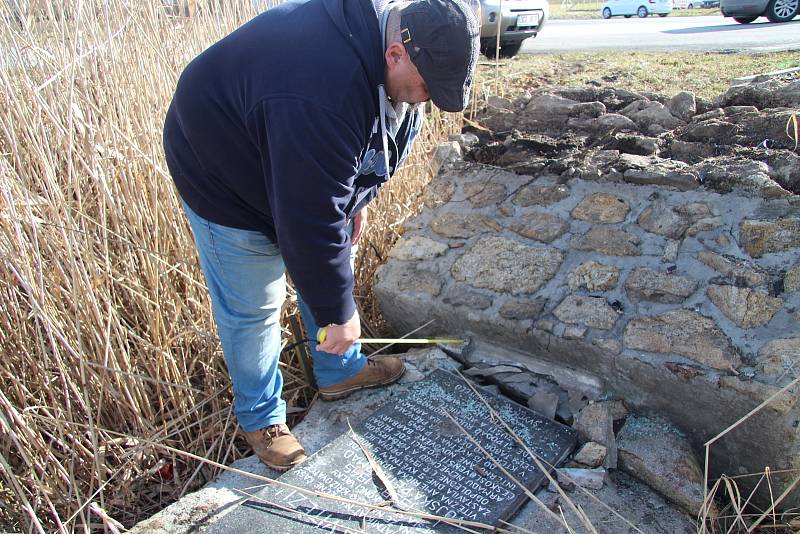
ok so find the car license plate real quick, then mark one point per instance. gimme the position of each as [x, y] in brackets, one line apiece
[528, 20]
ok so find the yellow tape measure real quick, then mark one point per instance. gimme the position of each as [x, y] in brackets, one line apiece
[322, 334]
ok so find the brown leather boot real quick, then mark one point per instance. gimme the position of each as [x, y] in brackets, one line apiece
[276, 446]
[377, 372]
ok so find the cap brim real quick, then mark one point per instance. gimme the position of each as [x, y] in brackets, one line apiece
[447, 100]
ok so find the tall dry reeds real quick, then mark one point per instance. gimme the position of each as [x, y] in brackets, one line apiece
[107, 342]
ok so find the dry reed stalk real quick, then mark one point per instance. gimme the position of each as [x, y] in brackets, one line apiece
[708, 509]
[104, 317]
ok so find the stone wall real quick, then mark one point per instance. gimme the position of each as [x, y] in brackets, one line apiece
[652, 242]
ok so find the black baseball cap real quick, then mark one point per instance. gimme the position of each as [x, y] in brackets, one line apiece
[442, 37]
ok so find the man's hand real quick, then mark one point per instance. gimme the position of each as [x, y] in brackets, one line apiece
[359, 225]
[340, 337]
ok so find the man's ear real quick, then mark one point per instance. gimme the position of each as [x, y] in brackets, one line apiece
[395, 54]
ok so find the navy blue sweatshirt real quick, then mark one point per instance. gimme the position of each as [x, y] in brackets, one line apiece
[276, 128]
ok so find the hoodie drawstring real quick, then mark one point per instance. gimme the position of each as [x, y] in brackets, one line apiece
[382, 100]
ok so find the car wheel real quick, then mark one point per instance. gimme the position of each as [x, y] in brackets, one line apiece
[628, 16]
[507, 50]
[510, 50]
[744, 20]
[782, 10]
[606, 13]
[642, 12]
[690, 6]
[663, 14]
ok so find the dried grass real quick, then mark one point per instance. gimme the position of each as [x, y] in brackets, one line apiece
[105, 324]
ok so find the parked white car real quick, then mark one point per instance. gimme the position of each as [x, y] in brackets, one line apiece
[640, 8]
[516, 21]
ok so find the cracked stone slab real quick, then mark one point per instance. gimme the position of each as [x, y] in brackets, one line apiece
[428, 461]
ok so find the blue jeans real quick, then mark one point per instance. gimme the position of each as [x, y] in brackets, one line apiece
[246, 279]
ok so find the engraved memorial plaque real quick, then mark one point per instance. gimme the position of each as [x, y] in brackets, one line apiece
[430, 464]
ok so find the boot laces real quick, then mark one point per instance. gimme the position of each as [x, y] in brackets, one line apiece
[276, 431]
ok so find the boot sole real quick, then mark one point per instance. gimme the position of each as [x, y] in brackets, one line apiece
[283, 468]
[347, 392]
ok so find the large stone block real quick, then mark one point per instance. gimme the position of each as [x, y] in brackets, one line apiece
[594, 423]
[601, 208]
[759, 237]
[540, 195]
[746, 307]
[461, 225]
[662, 220]
[416, 248]
[438, 192]
[686, 333]
[593, 276]
[414, 281]
[540, 226]
[652, 113]
[715, 131]
[738, 271]
[683, 180]
[521, 309]
[750, 177]
[646, 284]
[593, 312]
[482, 194]
[507, 266]
[791, 282]
[608, 241]
[656, 453]
[459, 295]
[683, 105]
[780, 356]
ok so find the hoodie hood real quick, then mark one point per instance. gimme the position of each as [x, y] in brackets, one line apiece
[358, 22]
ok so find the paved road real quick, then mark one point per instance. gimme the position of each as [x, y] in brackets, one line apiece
[713, 33]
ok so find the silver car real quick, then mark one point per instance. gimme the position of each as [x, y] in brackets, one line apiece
[516, 20]
[746, 11]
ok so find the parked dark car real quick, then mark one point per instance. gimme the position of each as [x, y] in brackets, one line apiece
[746, 11]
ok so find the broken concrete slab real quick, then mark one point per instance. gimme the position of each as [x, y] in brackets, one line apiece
[592, 454]
[657, 453]
[585, 478]
[623, 506]
[323, 423]
[595, 423]
[426, 462]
